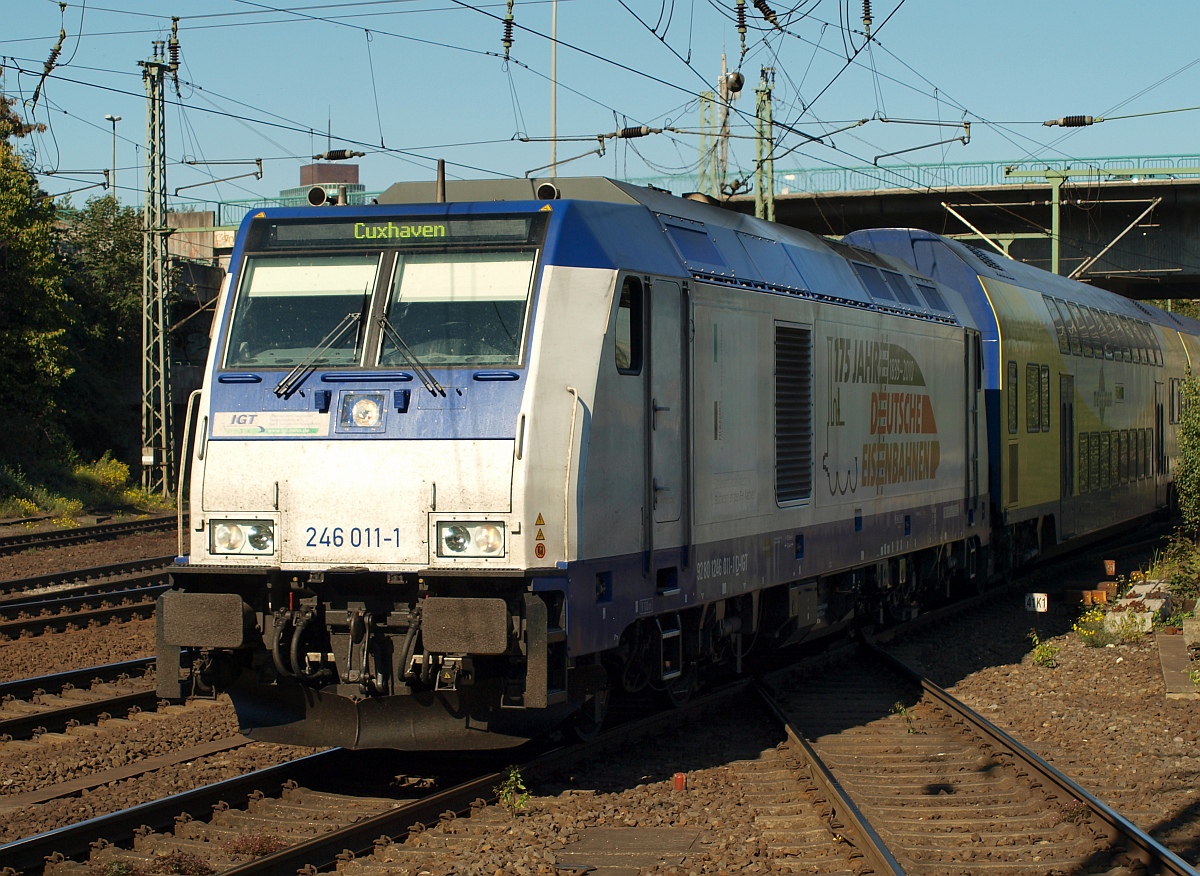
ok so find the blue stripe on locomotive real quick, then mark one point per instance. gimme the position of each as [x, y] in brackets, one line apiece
[584, 234]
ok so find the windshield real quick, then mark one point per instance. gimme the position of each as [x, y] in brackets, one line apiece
[288, 305]
[461, 308]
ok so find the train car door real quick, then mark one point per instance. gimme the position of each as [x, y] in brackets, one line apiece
[665, 416]
[1160, 449]
[1066, 455]
[974, 387]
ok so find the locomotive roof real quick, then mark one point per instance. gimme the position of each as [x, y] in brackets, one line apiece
[712, 242]
[972, 260]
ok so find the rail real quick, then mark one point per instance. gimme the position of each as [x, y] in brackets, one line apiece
[14, 543]
[1148, 849]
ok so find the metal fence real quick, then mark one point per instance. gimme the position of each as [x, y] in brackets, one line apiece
[936, 176]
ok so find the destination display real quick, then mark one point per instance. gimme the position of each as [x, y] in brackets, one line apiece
[417, 232]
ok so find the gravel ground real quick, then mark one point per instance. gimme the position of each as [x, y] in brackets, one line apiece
[41, 561]
[27, 766]
[1101, 715]
[78, 649]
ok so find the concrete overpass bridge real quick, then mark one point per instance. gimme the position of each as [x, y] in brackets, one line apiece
[1128, 224]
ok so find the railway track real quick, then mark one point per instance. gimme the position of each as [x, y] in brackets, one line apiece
[58, 613]
[24, 541]
[54, 703]
[865, 795]
[96, 579]
[304, 815]
[921, 778]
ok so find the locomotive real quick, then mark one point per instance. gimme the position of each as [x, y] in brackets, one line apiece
[462, 469]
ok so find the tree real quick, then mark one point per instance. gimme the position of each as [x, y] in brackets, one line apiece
[102, 248]
[33, 319]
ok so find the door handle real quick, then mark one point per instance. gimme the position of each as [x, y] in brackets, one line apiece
[658, 488]
[655, 407]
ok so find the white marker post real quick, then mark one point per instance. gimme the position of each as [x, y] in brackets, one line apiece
[1037, 602]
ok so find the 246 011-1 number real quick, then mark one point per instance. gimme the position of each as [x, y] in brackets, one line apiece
[351, 536]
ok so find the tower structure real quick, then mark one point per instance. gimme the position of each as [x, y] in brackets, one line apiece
[158, 435]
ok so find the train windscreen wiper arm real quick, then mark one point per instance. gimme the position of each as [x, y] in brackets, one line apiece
[427, 378]
[292, 380]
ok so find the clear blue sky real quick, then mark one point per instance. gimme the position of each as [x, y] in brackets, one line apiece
[425, 78]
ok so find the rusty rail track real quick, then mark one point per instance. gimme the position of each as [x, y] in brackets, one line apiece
[24, 541]
[921, 777]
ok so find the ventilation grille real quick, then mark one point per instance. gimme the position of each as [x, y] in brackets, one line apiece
[987, 259]
[793, 414]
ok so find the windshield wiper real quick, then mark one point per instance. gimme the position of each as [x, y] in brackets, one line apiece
[427, 378]
[291, 382]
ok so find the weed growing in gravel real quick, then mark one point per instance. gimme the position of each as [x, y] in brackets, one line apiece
[1073, 812]
[1098, 628]
[255, 845]
[1044, 653]
[1127, 626]
[898, 708]
[512, 793]
[1090, 628]
[183, 863]
[1194, 676]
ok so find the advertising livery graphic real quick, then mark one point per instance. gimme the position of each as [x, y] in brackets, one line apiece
[898, 439]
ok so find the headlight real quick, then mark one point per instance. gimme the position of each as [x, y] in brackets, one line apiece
[241, 537]
[361, 412]
[365, 412]
[469, 539]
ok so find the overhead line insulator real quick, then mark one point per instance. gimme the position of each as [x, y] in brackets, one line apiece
[741, 24]
[630, 133]
[1070, 122]
[767, 12]
[508, 30]
[338, 155]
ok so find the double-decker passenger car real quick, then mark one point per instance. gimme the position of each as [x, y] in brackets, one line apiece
[1082, 387]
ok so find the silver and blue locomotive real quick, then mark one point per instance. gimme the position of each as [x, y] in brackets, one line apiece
[460, 471]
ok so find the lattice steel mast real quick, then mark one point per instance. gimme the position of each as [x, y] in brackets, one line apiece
[158, 435]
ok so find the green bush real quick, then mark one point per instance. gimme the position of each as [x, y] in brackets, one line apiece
[106, 475]
[1187, 474]
[1179, 565]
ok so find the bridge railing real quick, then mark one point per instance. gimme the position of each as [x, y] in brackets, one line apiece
[935, 176]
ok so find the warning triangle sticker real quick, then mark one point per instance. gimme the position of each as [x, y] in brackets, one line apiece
[539, 521]
[540, 537]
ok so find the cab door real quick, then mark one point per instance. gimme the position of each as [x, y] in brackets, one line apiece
[664, 421]
[664, 413]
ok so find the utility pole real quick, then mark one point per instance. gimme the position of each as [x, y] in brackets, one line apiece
[113, 180]
[729, 86]
[708, 154]
[764, 163]
[158, 435]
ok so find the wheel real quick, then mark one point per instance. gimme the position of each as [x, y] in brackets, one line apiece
[589, 720]
[680, 689]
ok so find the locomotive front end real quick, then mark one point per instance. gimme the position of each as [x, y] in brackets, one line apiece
[358, 574]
